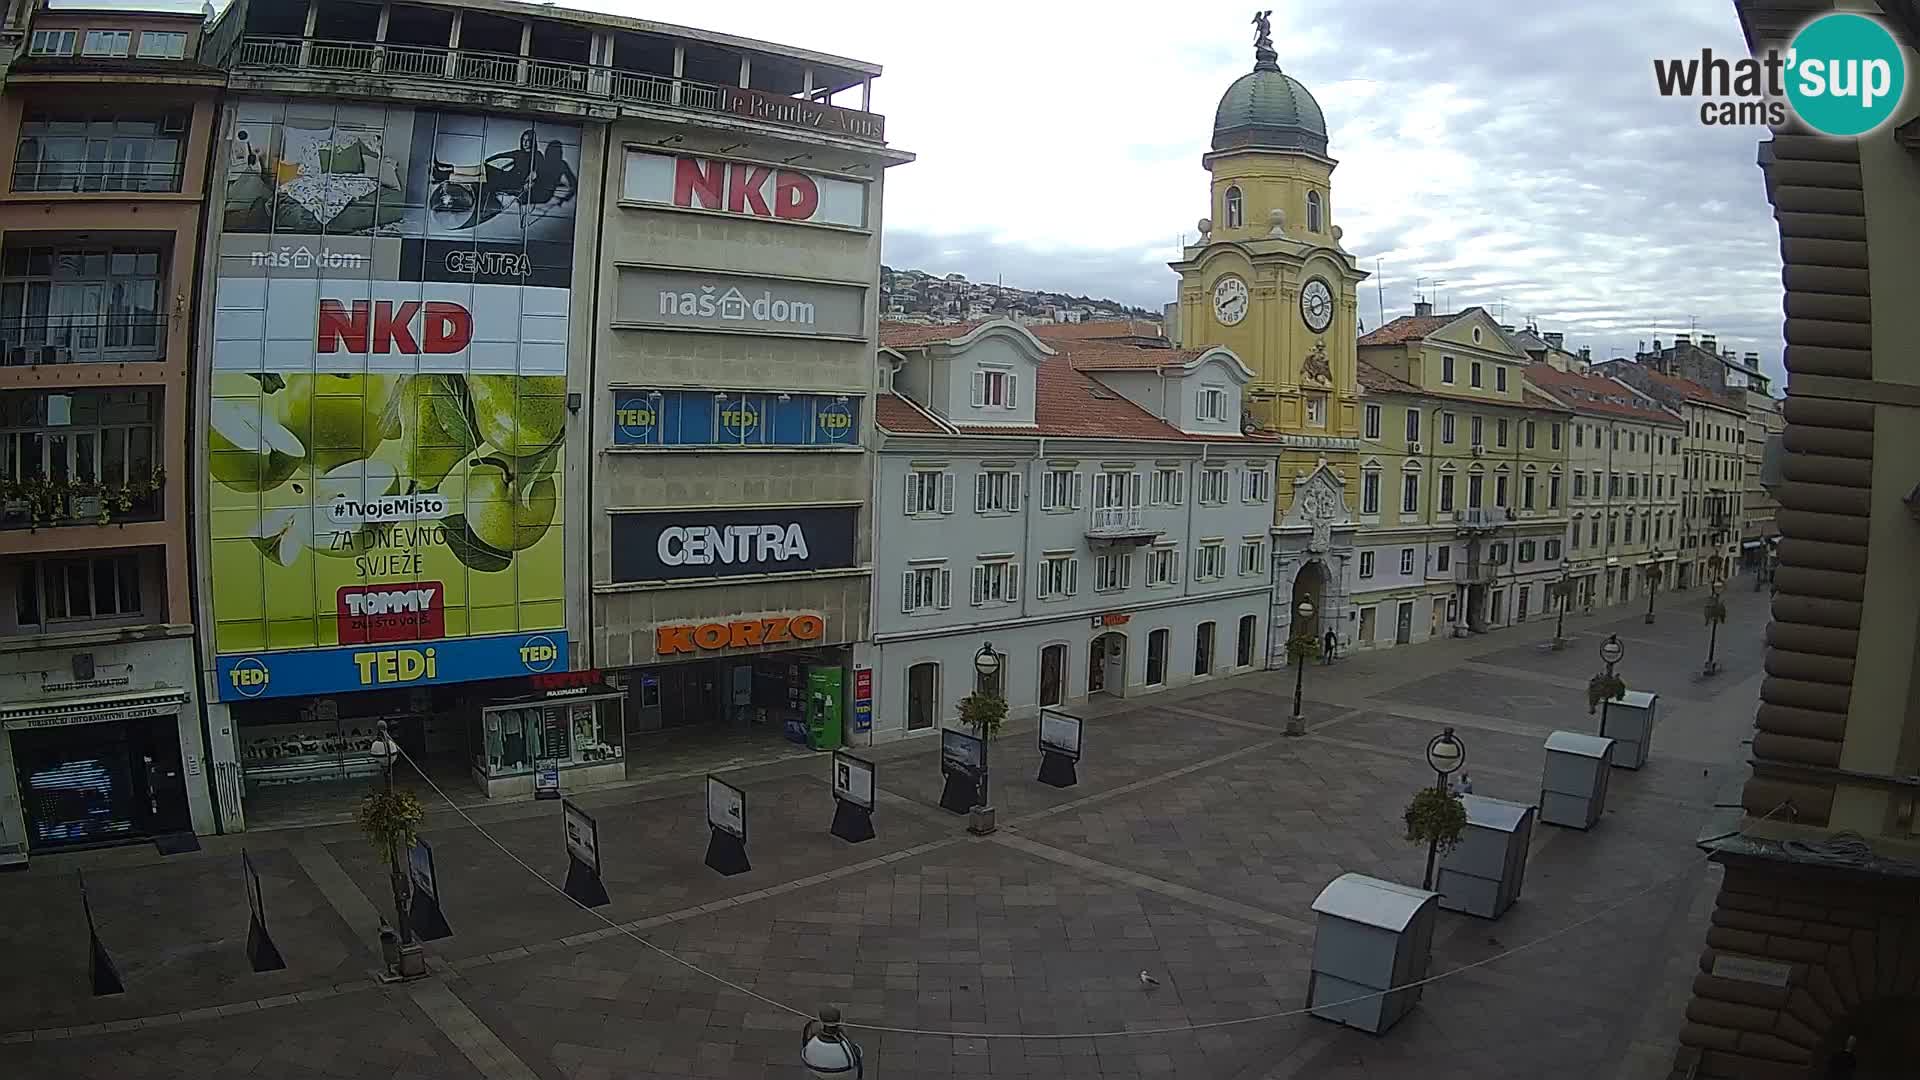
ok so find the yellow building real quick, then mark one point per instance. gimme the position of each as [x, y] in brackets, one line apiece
[1477, 469]
[1269, 280]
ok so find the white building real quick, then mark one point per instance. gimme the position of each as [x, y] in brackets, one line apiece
[1088, 508]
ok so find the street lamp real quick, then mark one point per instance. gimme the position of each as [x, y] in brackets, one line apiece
[1445, 754]
[826, 1051]
[986, 671]
[1297, 724]
[1611, 651]
[387, 750]
[1653, 575]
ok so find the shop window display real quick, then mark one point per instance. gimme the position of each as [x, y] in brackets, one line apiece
[521, 738]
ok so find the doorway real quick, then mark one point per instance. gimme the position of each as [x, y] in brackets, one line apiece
[1526, 595]
[101, 783]
[1309, 585]
[923, 694]
[1053, 674]
[1107, 664]
[1403, 624]
[1439, 626]
[1157, 658]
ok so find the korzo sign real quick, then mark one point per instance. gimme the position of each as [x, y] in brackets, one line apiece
[672, 545]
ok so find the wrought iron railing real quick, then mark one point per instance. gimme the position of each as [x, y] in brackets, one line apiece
[109, 338]
[1114, 520]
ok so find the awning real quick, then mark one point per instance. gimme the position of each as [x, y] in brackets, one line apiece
[97, 709]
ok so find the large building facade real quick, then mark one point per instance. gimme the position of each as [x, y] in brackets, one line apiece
[101, 193]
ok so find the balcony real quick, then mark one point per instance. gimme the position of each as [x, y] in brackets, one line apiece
[94, 177]
[590, 83]
[1473, 572]
[1119, 525]
[1482, 519]
[38, 502]
[110, 338]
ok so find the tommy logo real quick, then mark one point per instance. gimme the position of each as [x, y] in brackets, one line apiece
[413, 611]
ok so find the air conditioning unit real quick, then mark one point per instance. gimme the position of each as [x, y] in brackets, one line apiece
[1413, 447]
[1479, 450]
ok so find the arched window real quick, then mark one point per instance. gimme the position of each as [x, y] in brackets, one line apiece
[1236, 211]
[1313, 211]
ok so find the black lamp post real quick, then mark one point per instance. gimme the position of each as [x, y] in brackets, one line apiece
[826, 1051]
[387, 750]
[1653, 576]
[1297, 724]
[1445, 754]
[1611, 651]
[986, 671]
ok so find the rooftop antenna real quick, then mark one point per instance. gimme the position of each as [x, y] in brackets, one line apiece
[1380, 293]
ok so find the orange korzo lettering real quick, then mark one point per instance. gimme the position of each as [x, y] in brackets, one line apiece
[672, 639]
[744, 634]
[777, 631]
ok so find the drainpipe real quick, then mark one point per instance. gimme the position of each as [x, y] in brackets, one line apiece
[1186, 580]
[1026, 524]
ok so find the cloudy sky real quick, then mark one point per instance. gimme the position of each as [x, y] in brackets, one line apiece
[1522, 157]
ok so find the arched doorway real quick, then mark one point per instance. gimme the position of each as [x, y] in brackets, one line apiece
[1310, 584]
[1107, 664]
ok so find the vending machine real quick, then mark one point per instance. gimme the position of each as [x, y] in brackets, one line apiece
[824, 721]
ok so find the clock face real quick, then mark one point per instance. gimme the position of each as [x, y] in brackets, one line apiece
[1229, 300]
[1316, 304]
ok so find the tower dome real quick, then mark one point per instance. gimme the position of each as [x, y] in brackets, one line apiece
[1268, 109]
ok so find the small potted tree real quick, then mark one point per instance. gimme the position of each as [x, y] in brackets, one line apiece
[984, 713]
[391, 821]
[1561, 594]
[1436, 818]
[1716, 613]
[1603, 687]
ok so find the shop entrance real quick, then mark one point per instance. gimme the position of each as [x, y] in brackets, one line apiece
[101, 783]
[1107, 664]
[701, 711]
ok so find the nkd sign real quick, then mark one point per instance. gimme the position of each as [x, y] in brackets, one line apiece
[744, 188]
[679, 544]
[701, 301]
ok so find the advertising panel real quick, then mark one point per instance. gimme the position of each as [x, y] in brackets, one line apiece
[719, 420]
[583, 835]
[749, 189]
[702, 300]
[853, 779]
[726, 807]
[668, 545]
[388, 418]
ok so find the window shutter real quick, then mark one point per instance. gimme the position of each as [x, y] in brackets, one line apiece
[946, 495]
[979, 492]
[909, 504]
[946, 588]
[1076, 495]
[1173, 567]
[1040, 590]
[1013, 581]
[979, 388]
[1073, 576]
[1133, 489]
[1013, 381]
[979, 584]
[1013, 490]
[1180, 487]
[906, 592]
[1126, 563]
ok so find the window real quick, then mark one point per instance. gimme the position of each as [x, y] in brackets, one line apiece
[107, 43]
[1529, 435]
[1112, 572]
[1616, 438]
[1317, 410]
[1446, 428]
[1576, 532]
[996, 581]
[1243, 654]
[1613, 531]
[1500, 432]
[1443, 557]
[1579, 483]
[1253, 557]
[1373, 422]
[1500, 490]
[923, 695]
[1553, 493]
[1579, 435]
[1406, 561]
[163, 45]
[1236, 209]
[996, 491]
[1500, 378]
[1593, 536]
[1476, 486]
[1553, 430]
[1473, 374]
[1157, 657]
[1060, 489]
[1410, 493]
[1210, 560]
[1169, 487]
[1526, 493]
[1114, 489]
[54, 591]
[1477, 428]
[1255, 485]
[925, 588]
[1213, 487]
[929, 491]
[1370, 492]
[1446, 369]
[1413, 425]
[1633, 486]
[53, 42]
[1313, 211]
[1366, 564]
[1646, 485]
[62, 305]
[1163, 565]
[1497, 555]
[1596, 483]
[1526, 551]
[1059, 575]
[1446, 493]
[994, 389]
[1613, 485]
[1213, 403]
[1203, 650]
[90, 437]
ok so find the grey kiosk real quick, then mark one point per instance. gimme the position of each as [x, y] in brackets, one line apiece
[1482, 874]
[1371, 936]
[1628, 721]
[1573, 785]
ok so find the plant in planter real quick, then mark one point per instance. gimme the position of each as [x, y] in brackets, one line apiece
[88, 499]
[1560, 593]
[391, 821]
[1603, 687]
[984, 714]
[1436, 817]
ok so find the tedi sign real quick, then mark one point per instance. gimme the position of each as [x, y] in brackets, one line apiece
[748, 189]
[672, 545]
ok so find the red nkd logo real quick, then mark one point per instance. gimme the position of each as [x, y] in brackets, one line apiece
[760, 191]
[411, 611]
[385, 326]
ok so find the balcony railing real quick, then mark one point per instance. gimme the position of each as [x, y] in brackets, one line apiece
[555, 77]
[83, 339]
[87, 177]
[1473, 572]
[1482, 518]
[1119, 523]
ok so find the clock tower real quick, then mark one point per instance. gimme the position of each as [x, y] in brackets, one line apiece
[1269, 279]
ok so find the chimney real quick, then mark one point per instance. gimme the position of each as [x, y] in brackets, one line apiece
[1586, 354]
[1556, 339]
[1753, 360]
[1681, 339]
[1422, 308]
[1656, 345]
[1709, 343]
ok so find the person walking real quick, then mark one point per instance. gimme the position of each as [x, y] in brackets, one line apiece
[1329, 646]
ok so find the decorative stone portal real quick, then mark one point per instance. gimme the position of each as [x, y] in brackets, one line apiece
[1313, 557]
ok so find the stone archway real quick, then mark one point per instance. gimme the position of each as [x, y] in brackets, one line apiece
[1309, 584]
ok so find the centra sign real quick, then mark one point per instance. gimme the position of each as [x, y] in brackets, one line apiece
[678, 544]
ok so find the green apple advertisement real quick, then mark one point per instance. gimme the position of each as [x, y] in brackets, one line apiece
[386, 430]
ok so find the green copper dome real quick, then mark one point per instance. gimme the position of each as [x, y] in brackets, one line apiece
[1270, 110]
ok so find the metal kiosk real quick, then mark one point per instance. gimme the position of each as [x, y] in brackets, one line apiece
[1371, 936]
[1482, 874]
[1573, 785]
[1629, 723]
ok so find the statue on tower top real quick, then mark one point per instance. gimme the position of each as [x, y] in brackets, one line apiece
[1263, 54]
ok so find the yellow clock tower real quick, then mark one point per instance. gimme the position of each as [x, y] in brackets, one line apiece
[1269, 280]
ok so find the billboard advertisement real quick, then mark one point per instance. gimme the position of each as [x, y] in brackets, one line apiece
[385, 440]
[720, 419]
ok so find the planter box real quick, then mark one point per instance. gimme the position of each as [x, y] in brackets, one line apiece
[86, 507]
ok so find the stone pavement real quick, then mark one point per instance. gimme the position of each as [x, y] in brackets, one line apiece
[1191, 849]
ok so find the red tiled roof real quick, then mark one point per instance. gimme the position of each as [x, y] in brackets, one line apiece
[1406, 328]
[1090, 331]
[1595, 394]
[1116, 355]
[908, 335]
[1372, 378]
[1541, 401]
[898, 415]
[1693, 391]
